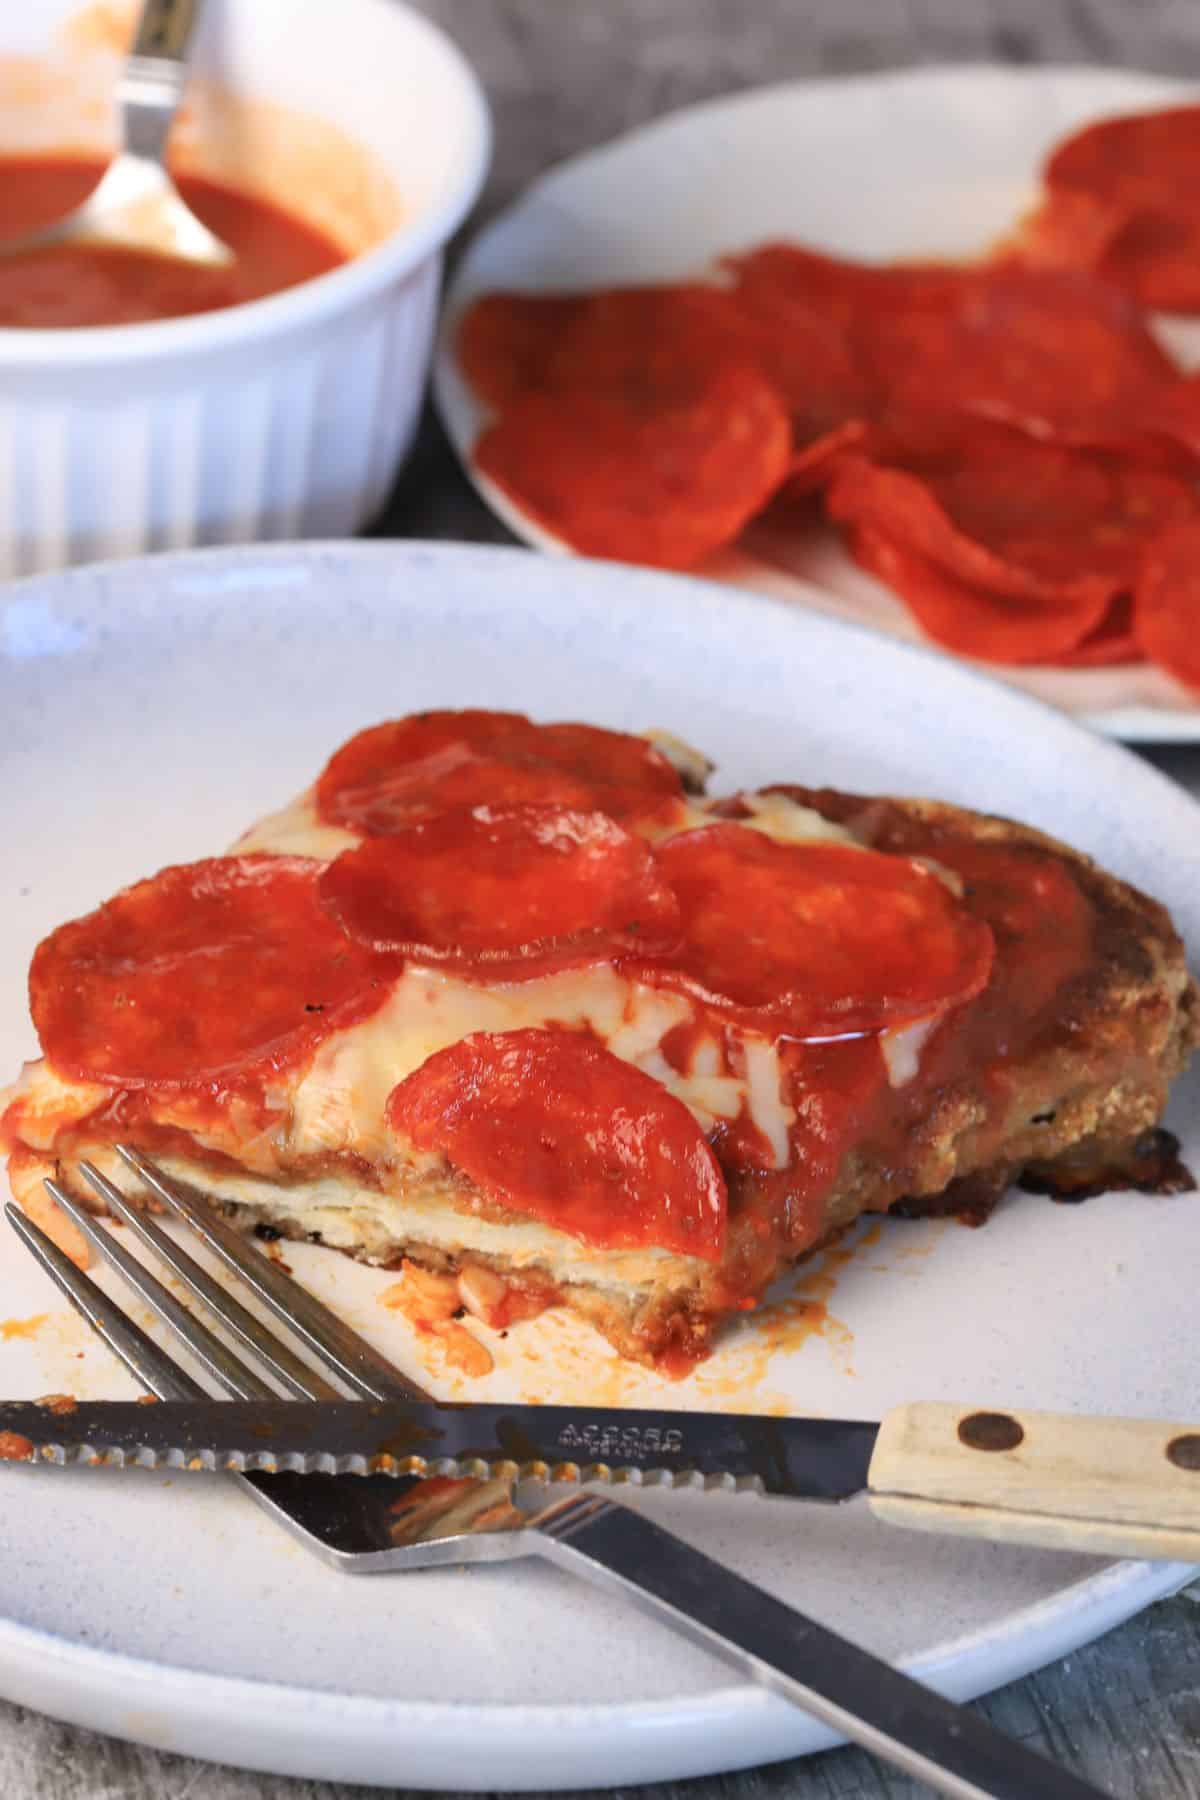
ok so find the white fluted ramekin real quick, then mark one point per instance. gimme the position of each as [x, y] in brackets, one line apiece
[287, 417]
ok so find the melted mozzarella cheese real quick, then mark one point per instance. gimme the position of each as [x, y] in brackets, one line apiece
[901, 1049]
[296, 830]
[380, 1227]
[339, 1103]
[692, 766]
[774, 815]
[790, 823]
[764, 1101]
[43, 1100]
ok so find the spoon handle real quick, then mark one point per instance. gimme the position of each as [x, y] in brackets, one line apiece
[152, 81]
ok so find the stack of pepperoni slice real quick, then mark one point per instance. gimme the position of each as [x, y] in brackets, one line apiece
[222, 977]
[637, 431]
[1003, 442]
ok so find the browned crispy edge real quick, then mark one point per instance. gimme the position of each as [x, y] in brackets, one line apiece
[1127, 1027]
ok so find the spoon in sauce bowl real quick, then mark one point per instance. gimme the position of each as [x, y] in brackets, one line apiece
[136, 206]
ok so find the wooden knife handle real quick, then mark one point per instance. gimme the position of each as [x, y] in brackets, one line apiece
[1108, 1487]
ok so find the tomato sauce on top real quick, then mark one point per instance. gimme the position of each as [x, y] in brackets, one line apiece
[70, 286]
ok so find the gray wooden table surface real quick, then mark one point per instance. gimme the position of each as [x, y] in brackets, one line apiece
[562, 75]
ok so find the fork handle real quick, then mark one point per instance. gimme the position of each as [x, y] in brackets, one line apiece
[953, 1749]
[1104, 1487]
[151, 83]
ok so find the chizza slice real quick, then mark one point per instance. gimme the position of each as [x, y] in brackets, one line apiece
[568, 1034]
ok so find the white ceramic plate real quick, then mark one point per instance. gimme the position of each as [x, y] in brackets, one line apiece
[939, 162]
[149, 710]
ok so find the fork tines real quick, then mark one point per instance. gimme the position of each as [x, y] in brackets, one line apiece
[278, 1369]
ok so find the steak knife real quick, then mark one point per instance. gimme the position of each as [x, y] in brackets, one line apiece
[434, 1487]
[1115, 1487]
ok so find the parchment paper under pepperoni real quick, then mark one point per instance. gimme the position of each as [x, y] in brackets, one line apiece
[505, 893]
[208, 972]
[406, 770]
[815, 941]
[552, 1125]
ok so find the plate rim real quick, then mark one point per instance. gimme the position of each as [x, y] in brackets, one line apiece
[1133, 724]
[973, 1663]
[1039, 1634]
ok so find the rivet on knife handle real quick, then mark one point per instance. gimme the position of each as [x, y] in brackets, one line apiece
[1105, 1487]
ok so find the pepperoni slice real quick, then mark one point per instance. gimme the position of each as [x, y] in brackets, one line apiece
[644, 341]
[399, 773]
[549, 1124]
[1146, 169]
[888, 309]
[505, 342]
[1071, 229]
[806, 356]
[774, 276]
[813, 467]
[653, 436]
[664, 472]
[1055, 353]
[1020, 519]
[504, 893]
[1065, 516]
[1153, 257]
[816, 372]
[815, 941]
[1172, 417]
[972, 620]
[630, 339]
[1043, 924]
[1112, 642]
[1051, 351]
[207, 972]
[1166, 608]
[1141, 157]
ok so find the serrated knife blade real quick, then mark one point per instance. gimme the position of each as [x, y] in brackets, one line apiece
[360, 1526]
[812, 1459]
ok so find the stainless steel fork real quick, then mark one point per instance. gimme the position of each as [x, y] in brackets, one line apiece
[369, 1524]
